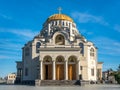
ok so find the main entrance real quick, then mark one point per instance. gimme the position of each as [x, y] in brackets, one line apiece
[48, 72]
[59, 72]
[72, 68]
[47, 68]
[71, 72]
[60, 68]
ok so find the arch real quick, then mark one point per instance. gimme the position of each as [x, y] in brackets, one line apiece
[82, 48]
[47, 66]
[92, 51]
[60, 59]
[72, 59]
[63, 23]
[47, 59]
[60, 39]
[60, 68]
[66, 23]
[38, 44]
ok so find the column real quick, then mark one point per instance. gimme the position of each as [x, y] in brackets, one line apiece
[54, 71]
[79, 69]
[41, 70]
[49, 29]
[66, 70]
[70, 31]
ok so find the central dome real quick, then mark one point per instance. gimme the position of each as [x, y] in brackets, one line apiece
[59, 17]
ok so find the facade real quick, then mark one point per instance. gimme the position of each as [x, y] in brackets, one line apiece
[11, 78]
[59, 52]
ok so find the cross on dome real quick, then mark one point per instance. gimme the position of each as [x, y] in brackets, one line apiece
[59, 10]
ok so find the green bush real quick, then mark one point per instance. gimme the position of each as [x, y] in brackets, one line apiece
[117, 77]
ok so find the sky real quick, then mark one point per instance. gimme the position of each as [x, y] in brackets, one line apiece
[97, 20]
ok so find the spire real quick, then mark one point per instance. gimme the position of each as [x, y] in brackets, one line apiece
[59, 10]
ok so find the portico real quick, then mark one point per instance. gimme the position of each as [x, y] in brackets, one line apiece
[59, 69]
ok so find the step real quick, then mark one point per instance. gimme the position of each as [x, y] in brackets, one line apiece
[59, 82]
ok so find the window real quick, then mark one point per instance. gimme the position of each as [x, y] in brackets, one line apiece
[92, 52]
[81, 68]
[73, 31]
[27, 51]
[73, 25]
[82, 48]
[47, 59]
[92, 72]
[60, 59]
[56, 23]
[66, 24]
[63, 24]
[26, 71]
[38, 44]
[52, 23]
[60, 40]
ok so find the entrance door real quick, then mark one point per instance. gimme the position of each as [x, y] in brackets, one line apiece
[72, 72]
[59, 72]
[48, 72]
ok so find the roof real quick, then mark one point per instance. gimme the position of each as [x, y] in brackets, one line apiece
[59, 17]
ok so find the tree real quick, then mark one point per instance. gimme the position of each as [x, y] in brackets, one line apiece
[118, 68]
[117, 75]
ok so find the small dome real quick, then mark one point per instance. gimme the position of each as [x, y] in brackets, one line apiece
[59, 17]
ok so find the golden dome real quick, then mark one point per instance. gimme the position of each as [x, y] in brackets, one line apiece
[59, 17]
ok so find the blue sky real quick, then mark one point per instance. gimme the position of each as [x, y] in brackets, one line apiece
[21, 20]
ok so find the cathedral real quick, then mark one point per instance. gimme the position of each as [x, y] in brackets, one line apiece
[59, 52]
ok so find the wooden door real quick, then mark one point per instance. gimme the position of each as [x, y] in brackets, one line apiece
[48, 72]
[71, 72]
[74, 72]
[59, 72]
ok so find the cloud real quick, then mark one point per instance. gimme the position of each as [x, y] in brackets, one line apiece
[83, 31]
[25, 33]
[107, 46]
[10, 45]
[88, 18]
[117, 28]
[107, 66]
[10, 50]
[5, 16]
[7, 57]
[20, 32]
[12, 42]
[4, 57]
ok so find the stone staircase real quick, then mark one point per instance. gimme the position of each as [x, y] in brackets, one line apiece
[59, 82]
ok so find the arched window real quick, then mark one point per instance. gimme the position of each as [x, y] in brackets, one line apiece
[47, 59]
[63, 24]
[66, 23]
[60, 59]
[55, 22]
[81, 47]
[27, 51]
[38, 44]
[60, 40]
[72, 59]
[92, 52]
